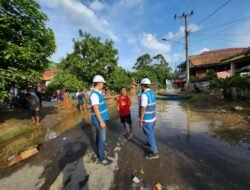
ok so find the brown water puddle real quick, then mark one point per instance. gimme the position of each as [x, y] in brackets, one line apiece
[40, 134]
[198, 150]
[230, 127]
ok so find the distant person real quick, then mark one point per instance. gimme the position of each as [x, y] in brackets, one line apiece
[21, 98]
[100, 115]
[77, 92]
[73, 96]
[57, 94]
[12, 98]
[32, 91]
[60, 100]
[124, 103]
[40, 97]
[139, 93]
[80, 99]
[91, 88]
[147, 118]
[34, 107]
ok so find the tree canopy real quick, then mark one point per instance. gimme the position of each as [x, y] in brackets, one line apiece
[67, 81]
[25, 42]
[90, 57]
[142, 62]
[155, 68]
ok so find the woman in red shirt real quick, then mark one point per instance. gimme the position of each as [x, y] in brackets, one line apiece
[124, 103]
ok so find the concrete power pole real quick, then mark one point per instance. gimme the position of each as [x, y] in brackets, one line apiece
[185, 17]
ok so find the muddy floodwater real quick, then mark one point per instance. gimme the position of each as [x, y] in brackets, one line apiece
[198, 150]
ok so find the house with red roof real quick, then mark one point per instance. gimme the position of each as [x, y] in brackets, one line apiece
[47, 76]
[224, 62]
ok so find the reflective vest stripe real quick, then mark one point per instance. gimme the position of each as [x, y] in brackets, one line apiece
[106, 110]
[150, 114]
[102, 106]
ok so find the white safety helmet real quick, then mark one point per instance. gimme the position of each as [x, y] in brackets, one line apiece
[145, 81]
[98, 78]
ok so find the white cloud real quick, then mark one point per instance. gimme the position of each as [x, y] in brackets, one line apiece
[129, 3]
[181, 32]
[96, 5]
[79, 13]
[176, 58]
[201, 51]
[150, 42]
[124, 7]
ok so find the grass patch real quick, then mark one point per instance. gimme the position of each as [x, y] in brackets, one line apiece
[199, 98]
[204, 101]
[9, 132]
[20, 143]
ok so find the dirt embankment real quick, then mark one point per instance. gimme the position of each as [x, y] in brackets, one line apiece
[217, 103]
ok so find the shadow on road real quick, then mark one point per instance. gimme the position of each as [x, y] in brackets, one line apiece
[67, 171]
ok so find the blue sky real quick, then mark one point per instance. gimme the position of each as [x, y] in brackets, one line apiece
[137, 26]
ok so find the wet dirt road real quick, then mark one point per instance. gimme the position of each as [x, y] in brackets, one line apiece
[198, 150]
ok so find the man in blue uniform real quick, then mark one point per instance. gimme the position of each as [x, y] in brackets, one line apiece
[147, 118]
[100, 115]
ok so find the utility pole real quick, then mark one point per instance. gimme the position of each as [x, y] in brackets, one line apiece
[185, 17]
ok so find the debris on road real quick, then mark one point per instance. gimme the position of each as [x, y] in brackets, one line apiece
[157, 186]
[28, 152]
[238, 108]
[135, 179]
[142, 171]
[52, 135]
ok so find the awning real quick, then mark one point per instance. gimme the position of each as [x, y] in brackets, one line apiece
[180, 80]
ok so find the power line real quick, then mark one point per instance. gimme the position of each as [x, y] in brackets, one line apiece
[211, 14]
[197, 5]
[215, 11]
[230, 23]
[225, 24]
[231, 26]
[185, 1]
[222, 39]
[216, 40]
[229, 35]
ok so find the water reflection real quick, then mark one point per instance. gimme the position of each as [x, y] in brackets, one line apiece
[174, 119]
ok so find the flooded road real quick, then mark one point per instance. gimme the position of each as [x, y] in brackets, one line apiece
[198, 150]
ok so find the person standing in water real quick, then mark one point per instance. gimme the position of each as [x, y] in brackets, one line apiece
[147, 118]
[34, 107]
[124, 103]
[80, 99]
[100, 115]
